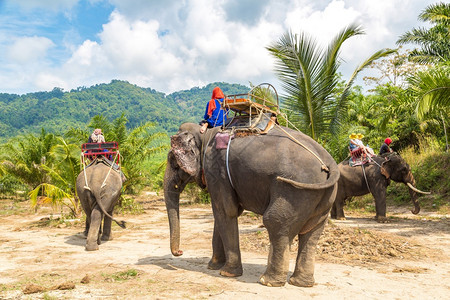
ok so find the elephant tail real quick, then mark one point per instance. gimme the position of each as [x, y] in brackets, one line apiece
[122, 224]
[332, 179]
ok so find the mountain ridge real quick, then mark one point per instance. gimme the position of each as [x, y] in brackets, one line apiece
[57, 110]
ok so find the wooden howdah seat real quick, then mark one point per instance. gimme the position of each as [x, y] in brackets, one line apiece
[252, 110]
[109, 150]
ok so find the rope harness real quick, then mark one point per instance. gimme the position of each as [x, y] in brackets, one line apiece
[86, 187]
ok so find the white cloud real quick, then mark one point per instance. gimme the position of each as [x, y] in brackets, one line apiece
[322, 25]
[29, 49]
[173, 45]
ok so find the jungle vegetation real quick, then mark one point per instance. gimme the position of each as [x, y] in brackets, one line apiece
[408, 101]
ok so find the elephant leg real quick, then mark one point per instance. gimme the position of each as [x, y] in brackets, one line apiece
[278, 262]
[226, 212]
[87, 224]
[333, 211]
[304, 268]
[94, 229]
[380, 205]
[107, 234]
[280, 225]
[218, 259]
[337, 210]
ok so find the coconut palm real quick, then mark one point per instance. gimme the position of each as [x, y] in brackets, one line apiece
[309, 75]
[434, 42]
[24, 157]
[431, 89]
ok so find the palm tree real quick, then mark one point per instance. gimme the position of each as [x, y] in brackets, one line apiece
[25, 157]
[140, 144]
[309, 75]
[431, 89]
[135, 146]
[434, 41]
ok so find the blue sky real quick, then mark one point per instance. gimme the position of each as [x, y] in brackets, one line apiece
[174, 45]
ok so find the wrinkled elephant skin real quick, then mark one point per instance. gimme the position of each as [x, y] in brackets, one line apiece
[270, 175]
[378, 173]
[98, 198]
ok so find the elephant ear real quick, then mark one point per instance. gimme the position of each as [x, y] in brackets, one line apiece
[186, 152]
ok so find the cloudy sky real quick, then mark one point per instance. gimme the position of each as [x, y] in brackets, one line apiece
[171, 45]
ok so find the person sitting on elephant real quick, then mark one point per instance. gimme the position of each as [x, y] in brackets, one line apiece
[355, 141]
[96, 136]
[385, 148]
[214, 114]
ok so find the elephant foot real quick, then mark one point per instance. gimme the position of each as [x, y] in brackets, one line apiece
[301, 282]
[85, 233]
[381, 219]
[91, 247]
[271, 282]
[215, 264]
[106, 238]
[231, 271]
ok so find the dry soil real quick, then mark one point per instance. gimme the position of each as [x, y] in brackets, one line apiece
[358, 258]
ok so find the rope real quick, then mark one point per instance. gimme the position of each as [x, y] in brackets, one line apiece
[365, 177]
[109, 171]
[86, 187]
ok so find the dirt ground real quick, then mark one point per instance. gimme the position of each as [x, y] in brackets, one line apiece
[406, 258]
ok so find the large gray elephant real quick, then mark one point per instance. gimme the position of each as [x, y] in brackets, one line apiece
[291, 185]
[374, 178]
[99, 188]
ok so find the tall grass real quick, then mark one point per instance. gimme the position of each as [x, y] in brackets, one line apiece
[430, 166]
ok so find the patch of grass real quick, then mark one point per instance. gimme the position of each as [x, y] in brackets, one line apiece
[12, 206]
[363, 204]
[196, 194]
[123, 276]
[430, 167]
[129, 205]
[49, 297]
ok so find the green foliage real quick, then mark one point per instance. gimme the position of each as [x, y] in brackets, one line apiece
[431, 88]
[429, 166]
[196, 194]
[364, 203]
[124, 275]
[56, 111]
[24, 157]
[129, 205]
[309, 76]
[434, 42]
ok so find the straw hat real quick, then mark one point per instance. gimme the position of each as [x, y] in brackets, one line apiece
[359, 136]
[352, 136]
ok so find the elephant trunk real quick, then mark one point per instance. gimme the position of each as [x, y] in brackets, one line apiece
[172, 190]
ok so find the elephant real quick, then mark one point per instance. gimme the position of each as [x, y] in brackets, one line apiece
[283, 175]
[99, 188]
[374, 178]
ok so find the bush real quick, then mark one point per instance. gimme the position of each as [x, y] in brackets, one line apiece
[429, 166]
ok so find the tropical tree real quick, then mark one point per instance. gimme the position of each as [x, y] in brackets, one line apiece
[434, 42]
[140, 145]
[309, 75]
[431, 89]
[60, 190]
[24, 157]
[136, 146]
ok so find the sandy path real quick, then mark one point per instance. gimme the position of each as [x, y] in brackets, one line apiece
[49, 256]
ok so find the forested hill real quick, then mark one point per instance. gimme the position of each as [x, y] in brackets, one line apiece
[56, 111]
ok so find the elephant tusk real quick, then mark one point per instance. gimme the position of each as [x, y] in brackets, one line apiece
[416, 190]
